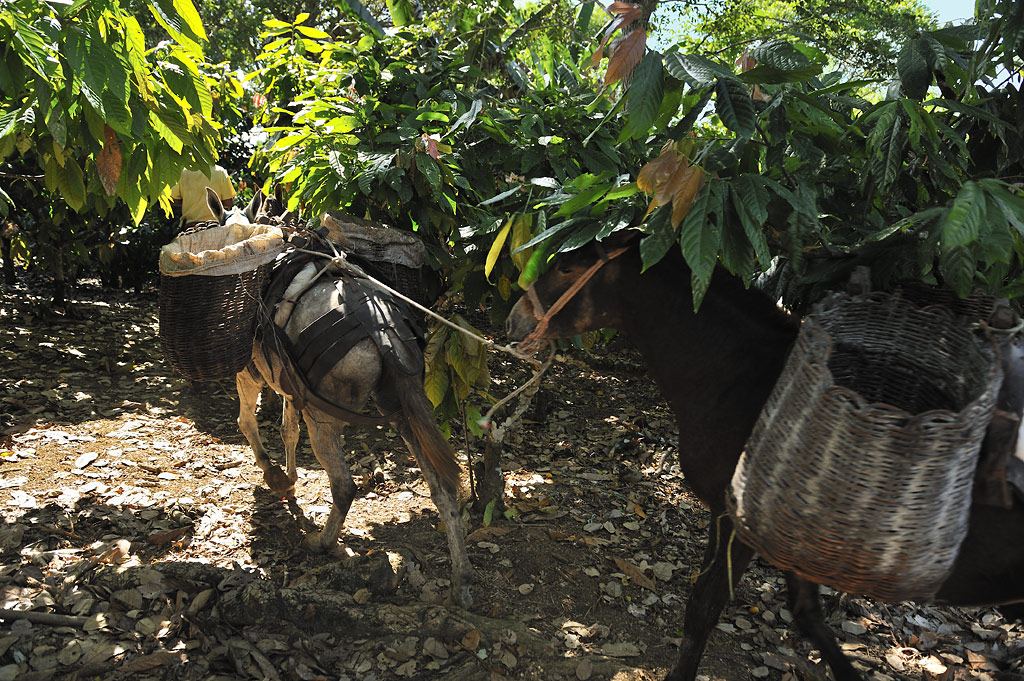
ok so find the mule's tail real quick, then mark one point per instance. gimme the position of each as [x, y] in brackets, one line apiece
[440, 454]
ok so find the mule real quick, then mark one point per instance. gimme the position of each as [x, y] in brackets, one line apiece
[716, 369]
[346, 388]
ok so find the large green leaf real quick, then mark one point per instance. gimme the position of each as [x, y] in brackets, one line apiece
[957, 266]
[735, 106]
[915, 76]
[700, 237]
[655, 245]
[193, 24]
[698, 71]
[645, 94]
[963, 222]
[166, 14]
[403, 12]
[750, 197]
[779, 62]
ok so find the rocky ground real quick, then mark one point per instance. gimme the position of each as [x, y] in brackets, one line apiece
[140, 542]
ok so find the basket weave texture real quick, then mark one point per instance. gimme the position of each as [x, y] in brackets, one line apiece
[397, 254]
[858, 473]
[210, 285]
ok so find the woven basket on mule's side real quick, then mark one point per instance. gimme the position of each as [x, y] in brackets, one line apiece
[206, 323]
[211, 278]
[859, 470]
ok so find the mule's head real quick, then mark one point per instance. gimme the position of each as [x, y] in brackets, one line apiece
[225, 216]
[554, 310]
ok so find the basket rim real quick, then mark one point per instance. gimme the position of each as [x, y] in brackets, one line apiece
[812, 332]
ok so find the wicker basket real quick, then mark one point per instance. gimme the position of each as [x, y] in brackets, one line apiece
[210, 288]
[976, 307]
[398, 255]
[859, 470]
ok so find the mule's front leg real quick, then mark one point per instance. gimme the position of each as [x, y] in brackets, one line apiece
[325, 434]
[709, 595]
[805, 605]
[248, 383]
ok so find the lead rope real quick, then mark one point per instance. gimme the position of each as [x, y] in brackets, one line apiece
[544, 317]
[532, 342]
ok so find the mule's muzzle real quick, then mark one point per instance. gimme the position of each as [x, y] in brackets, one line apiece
[521, 320]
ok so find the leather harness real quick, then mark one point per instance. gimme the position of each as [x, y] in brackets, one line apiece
[363, 311]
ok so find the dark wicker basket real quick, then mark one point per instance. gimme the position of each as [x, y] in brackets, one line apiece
[859, 470]
[206, 322]
[976, 307]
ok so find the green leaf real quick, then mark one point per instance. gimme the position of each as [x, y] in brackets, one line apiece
[504, 195]
[779, 62]
[403, 12]
[750, 197]
[1010, 203]
[166, 14]
[700, 237]
[958, 266]
[118, 115]
[968, 110]
[8, 121]
[963, 222]
[645, 94]
[735, 106]
[584, 198]
[886, 142]
[429, 170]
[314, 33]
[655, 245]
[467, 119]
[912, 66]
[72, 183]
[193, 23]
[30, 45]
[698, 71]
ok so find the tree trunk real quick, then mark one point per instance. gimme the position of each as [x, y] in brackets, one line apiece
[490, 485]
[60, 287]
[5, 255]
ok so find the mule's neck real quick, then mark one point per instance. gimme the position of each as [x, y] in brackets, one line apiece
[715, 368]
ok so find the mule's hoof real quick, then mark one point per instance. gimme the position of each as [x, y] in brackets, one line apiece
[312, 542]
[279, 483]
[460, 597]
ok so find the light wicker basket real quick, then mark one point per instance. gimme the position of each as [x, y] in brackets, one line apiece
[858, 473]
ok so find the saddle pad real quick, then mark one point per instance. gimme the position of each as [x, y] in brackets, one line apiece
[364, 311]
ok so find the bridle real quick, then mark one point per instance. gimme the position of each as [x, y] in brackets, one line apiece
[543, 316]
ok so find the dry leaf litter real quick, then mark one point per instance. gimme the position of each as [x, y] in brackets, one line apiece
[138, 541]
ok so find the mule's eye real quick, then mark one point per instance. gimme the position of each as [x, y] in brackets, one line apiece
[565, 269]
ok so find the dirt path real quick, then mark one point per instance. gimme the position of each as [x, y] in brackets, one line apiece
[138, 532]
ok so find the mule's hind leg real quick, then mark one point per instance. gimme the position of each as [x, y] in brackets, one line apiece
[415, 416]
[249, 383]
[709, 595]
[326, 437]
[290, 437]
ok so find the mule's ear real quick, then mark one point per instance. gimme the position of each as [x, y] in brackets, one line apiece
[253, 209]
[279, 194]
[215, 204]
